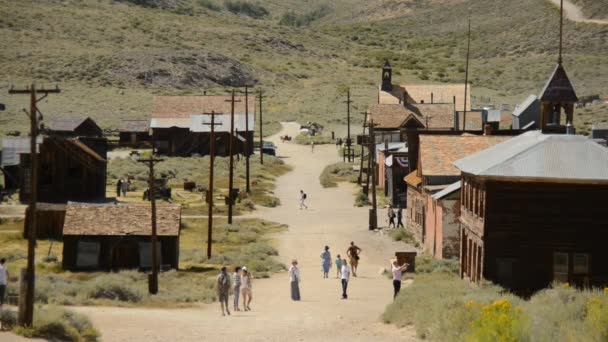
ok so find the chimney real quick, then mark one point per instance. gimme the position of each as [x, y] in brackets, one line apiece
[570, 130]
[487, 129]
[386, 145]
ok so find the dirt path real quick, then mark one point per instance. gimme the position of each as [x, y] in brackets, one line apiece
[574, 13]
[321, 315]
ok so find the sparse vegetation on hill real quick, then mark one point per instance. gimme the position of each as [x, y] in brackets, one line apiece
[594, 9]
[181, 46]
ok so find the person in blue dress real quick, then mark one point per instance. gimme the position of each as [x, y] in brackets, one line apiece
[326, 262]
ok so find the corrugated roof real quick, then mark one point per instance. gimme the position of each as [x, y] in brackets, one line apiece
[70, 124]
[439, 152]
[558, 88]
[541, 156]
[120, 219]
[13, 147]
[442, 93]
[450, 189]
[136, 126]
[175, 107]
[531, 100]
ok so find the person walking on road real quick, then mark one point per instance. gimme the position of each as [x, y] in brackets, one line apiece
[338, 266]
[246, 279]
[397, 273]
[391, 216]
[4, 276]
[303, 200]
[326, 262]
[124, 186]
[312, 147]
[223, 290]
[236, 287]
[118, 187]
[344, 277]
[294, 279]
[353, 253]
[400, 217]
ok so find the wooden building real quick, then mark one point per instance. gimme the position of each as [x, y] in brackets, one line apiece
[12, 148]
[527, 114]
[557, 100]
[533, 212]
[442, 222]
[68, 170]
[134, 133]
[435, 172]
[180, 124]
[112, 237]
[74, 127]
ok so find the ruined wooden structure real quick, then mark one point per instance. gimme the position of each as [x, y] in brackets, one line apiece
[112, 237]
[134, 133]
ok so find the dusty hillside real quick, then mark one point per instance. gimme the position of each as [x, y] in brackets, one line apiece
[111, 56]
[595, 9]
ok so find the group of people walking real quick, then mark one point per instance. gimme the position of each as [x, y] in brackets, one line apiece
[391, 214]
[240, 285]
[122, 186]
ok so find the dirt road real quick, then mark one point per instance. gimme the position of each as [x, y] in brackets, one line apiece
[574, 13]
[321, 315]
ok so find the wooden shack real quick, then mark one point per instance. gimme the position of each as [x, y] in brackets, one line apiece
[533, 212]
[181, 124]
[68, 170]
[49, 221]
[74, 127]
[134, 133]
[113, 237]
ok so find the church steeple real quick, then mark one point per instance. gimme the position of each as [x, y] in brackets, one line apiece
[387, 75]
[558, 96]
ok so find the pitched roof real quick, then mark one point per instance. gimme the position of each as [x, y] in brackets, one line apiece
[394, 116]
[86, 149]
[531, 100]
[442, 93]
[558, 88]
[394, 96]
[541, 156]
[70, 124]
[120, 219]
[135, 125]
[13, 147]
[439, 152]
[181, 107]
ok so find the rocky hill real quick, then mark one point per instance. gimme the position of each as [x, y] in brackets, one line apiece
[112, 56]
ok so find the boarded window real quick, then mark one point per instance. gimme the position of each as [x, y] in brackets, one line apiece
[581, 263]
[88, 254]
[560, 267]
[145, 254]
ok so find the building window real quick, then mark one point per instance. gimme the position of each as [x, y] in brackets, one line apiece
[87, 254]
[580, 263]
[560, 267]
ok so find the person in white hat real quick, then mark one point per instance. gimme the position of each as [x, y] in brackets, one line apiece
[246, 279]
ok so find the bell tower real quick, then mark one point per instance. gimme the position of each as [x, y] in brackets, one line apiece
[558, 96]
[387, 75]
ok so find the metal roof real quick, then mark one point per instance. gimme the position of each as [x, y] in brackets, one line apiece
[13, 147]
[522, 107]
[450, 189]
[558, 88]
[494, 115]
[541, 156]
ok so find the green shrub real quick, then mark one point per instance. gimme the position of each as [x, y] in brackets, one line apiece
[338, 172]
[292, 19]
[428, 264]
[253, 10]
[400, 234]
[57, 324]
[8, 319]
[361, 200]
[210, 5]
[305, 139]
[596, 321]
[499, 321]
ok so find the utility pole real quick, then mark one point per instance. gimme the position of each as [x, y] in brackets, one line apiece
[210, 191]
[28, 275]
[466, 76]
[348, 140]
[153, 278]
[260, 97]
[231, 171]
[359, 180]
[373, 213]
[246, 147]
